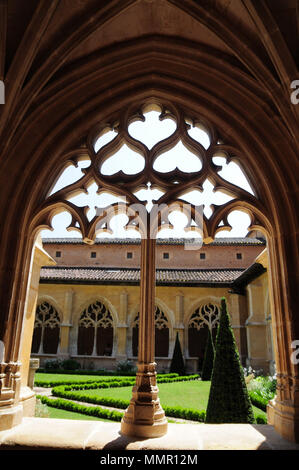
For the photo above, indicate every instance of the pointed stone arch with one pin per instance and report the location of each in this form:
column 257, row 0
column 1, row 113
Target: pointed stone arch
column 96, row 324
column 164, row 321
column 251, row 112
column 202, row 316
column 46, row 334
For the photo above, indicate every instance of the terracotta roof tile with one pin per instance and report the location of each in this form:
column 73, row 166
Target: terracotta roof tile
column 160, row 241
column 163, row 276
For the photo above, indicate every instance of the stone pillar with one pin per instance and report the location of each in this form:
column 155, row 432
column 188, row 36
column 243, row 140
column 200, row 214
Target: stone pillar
column 122, row 327
column 33, row 366
column 283, row 410
column 66, row 324
column 238, row 312
column 256, row 326
column 39, row 258
column 145, row 417
column 179, row 320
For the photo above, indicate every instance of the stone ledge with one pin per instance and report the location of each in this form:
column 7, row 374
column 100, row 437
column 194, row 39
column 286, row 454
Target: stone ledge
column 44, row 433
column 61, row 434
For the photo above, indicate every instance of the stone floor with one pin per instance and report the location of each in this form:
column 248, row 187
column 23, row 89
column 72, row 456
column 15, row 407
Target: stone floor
column 60, row 434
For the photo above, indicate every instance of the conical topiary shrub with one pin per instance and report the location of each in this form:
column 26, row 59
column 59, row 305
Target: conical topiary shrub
column 228, row 400
column 207, row 366
column 177, row 363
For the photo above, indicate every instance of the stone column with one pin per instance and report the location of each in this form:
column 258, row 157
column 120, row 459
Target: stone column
column 256, row 327
column 39, row 258
column 122, row 327
column 283, row 410
column 63, row 349
column 33, row 366
column 145, row 417
column 179, row 319
column 239, row 315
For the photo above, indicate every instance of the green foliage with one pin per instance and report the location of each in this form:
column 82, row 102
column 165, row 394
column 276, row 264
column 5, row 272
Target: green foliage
column 260, row 419
column 207, row 367
column 70, row 364
column 258, row 401
column 52, row 365
column 83, row 372
column 77, row 392
column 77, row 408
column 118, row 381
column 177, row 363
column 126, row 366
column 261, row 390
column 229, row 401
column 171, row 411
column 185, row 413
column 53, row 383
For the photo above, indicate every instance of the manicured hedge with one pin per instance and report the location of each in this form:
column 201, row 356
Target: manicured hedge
column 54, row 383
column 112, row 382
column 78, row 408
column 175, row 411
column 76, row 395
column 95, row 372
column 84, row 372
column 119, row 383
column 229, row 400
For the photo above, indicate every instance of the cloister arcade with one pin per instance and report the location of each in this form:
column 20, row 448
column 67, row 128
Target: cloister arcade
column 72, row 74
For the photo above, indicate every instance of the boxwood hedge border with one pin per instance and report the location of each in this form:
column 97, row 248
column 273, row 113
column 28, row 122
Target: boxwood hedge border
column 71, row 391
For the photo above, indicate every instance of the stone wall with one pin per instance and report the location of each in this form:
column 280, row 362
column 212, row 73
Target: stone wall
column 115, row 255
column 177, row 303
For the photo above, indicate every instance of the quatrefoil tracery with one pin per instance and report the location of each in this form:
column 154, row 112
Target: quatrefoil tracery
column 109, row 140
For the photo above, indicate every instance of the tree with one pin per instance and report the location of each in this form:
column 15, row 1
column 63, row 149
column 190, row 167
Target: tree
column 229, row 401
column 177, row 363
column 207, row 366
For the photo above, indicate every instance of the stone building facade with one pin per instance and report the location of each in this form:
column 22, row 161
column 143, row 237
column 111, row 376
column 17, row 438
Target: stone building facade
column 88, row 304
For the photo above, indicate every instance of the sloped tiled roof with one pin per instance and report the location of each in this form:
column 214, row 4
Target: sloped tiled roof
column 117, row 275
column 160, row 241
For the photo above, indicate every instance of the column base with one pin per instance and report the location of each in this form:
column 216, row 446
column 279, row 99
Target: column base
column 285, row 419
column 157, row 429
column 144, row 417
column 28, row 401
column 10, row 417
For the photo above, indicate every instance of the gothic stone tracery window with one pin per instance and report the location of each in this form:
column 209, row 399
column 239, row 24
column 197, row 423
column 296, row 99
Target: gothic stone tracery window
column 95, row 331
column 155, row 154
column 46, row 329
column 161, row 334
column 205, row 318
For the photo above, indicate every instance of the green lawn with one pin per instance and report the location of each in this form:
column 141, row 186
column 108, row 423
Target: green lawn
column 48, row 377
column 63, row 414
column 193, row 394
